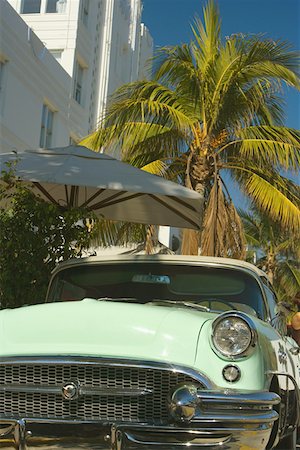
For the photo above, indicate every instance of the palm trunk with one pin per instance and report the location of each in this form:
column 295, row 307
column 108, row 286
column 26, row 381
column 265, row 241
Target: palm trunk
column 270, row 266
column 149, row 243
column 198, row 173
column 190, row 242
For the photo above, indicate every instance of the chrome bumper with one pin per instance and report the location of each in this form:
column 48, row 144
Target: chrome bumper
column 131, row 437
column 225, row 420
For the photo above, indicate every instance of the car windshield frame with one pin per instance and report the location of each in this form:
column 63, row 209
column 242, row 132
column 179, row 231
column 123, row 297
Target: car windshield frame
column 153, row 282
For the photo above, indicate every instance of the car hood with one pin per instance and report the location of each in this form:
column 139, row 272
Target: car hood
column 103, row 328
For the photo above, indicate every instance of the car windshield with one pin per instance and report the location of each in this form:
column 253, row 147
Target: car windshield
column 214, row 288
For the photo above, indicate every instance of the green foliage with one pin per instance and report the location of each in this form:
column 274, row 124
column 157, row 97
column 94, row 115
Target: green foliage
column 277, row 252
column 34, row 236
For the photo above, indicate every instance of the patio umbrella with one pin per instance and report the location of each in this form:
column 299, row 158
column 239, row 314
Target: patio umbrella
column 76, row 176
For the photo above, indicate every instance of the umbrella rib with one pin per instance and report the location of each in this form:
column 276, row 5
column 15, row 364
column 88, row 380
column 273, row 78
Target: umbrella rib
column 46, row 193
column 67, row 194
column 181, row 202
column 174, row 210
column 73, row 195
column 92, row 198
column 109, row 201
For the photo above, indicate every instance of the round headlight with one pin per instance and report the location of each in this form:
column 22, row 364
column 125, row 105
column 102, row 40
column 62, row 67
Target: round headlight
column 233, row 335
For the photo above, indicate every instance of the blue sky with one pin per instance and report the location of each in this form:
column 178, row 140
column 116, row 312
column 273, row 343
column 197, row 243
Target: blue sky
column 169, row 22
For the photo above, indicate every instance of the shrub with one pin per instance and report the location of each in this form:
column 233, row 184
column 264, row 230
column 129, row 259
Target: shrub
column 34, row 237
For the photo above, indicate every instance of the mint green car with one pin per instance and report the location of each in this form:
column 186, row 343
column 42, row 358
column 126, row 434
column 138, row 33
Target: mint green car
column 149, row 352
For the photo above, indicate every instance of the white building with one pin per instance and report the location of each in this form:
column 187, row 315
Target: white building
column 60, row 60
column 36, row 108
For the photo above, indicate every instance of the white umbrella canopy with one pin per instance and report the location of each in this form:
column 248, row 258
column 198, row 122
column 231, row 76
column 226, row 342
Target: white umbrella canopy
column 76, row 176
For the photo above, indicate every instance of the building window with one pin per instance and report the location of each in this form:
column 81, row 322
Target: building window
column 56, row 6
column 30, row 6
column 57, row 54
column 51, row 6
column 78, row 82
column 46, row 127
column 42, row 6
column 85, row 11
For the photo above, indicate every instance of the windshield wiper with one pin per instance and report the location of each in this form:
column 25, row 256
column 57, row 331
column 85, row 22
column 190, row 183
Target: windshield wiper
column 182, row 303
column 116, row 299
column 161, row 302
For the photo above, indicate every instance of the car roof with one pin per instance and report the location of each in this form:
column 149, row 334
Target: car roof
column 172, row 259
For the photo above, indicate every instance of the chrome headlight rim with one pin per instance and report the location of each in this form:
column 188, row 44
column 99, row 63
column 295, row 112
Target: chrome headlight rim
column 253, row 335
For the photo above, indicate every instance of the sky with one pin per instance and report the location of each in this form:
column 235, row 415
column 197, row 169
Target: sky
column 169, row 23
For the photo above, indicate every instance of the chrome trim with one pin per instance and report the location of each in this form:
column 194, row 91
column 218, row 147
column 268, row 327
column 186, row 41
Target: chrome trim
column 197, row 439
column 6, row 429
column 260, row 400
column 295, row 350
column 189, row 405
column 160, row 259
column 183, row 402
column 114, row 392
column 70, row 390
column 137, row 436
column 30, row 388
column 250, row 407
column 297, row 391
column 282, row 354
column 20, row 434
column 82, row 390
column 252, row 328
column 238, row 373
column 268, row 416
column 205, row 436
column 228, row 406
column 126, row 401
column 241, row 418
column 111, row 362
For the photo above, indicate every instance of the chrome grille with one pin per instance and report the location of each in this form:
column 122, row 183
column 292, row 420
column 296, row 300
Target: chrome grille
column 16, row 402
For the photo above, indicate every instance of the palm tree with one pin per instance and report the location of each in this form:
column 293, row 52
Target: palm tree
column 213, row 107
column 278, row 252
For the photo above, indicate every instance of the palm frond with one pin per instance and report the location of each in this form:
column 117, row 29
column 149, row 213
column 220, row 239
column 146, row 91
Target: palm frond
column 207, row 34
column 289, row 279
column 107, row 233
column 279, row 146
column 157, row 167
column 104, row 233
column 253, row 69
column 265, row 58
column 289, row 246
column 151, row 139
column 174, row 66
column 272, row 198
column 274, row 194
column 103, row 137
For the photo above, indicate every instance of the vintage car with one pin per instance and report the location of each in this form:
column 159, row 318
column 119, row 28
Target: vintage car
column 149, row 352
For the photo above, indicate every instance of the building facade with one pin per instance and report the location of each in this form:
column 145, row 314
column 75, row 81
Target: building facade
column 60, row 61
